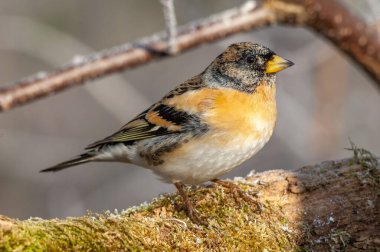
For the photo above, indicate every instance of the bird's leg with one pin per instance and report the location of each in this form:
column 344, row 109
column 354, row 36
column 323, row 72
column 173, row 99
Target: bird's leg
column 189, row 206
column 237, row 192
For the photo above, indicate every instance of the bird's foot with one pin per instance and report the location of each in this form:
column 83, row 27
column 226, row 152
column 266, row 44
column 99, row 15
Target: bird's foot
column 239, row 194
column 190, row 210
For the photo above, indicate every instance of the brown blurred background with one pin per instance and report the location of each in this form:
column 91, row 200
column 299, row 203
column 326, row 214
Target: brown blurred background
column 323, row 100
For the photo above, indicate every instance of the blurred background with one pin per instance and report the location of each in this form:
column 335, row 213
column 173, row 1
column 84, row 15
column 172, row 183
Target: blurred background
column 323, row 100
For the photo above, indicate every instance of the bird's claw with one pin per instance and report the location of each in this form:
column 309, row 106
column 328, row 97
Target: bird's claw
column 239, row 194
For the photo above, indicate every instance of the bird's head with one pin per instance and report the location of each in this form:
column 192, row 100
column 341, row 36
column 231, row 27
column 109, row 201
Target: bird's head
column 244, row 66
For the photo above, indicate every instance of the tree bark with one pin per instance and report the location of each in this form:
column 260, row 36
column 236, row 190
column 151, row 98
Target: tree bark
column 329, row 18
column 332, row 206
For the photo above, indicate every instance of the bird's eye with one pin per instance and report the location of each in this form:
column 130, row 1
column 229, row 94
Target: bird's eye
column 250, row 59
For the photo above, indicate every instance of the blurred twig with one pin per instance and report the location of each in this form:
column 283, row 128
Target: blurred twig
column 104, row 93
column 327, row 17
column 171, row 24
column 375, row 7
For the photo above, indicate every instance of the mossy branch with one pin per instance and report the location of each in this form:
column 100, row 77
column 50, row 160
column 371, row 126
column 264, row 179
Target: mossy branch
column 329, row 206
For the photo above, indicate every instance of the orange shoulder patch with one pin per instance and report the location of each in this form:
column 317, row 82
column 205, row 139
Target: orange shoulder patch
column 155, row 119
column 195, row 101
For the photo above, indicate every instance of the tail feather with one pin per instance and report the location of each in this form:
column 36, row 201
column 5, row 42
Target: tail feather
column 81, row 159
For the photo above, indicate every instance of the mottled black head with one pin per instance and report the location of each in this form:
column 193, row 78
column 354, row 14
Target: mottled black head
column 244, row 66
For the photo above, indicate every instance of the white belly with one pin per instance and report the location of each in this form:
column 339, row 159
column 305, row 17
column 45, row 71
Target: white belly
column 198, row 161
column 205, row 160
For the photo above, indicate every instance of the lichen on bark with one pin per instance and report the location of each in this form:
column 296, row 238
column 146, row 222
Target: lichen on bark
column 325, row 207
column 160, row 225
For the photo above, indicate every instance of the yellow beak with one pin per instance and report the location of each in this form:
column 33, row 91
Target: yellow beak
column 276, row 64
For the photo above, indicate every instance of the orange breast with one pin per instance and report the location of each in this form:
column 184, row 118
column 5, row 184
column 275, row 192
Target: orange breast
column 231, row 111
column 244, row 114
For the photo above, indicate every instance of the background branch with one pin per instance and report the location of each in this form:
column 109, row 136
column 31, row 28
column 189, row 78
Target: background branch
column 332, row 206
column 327, row 17
column 171, row 24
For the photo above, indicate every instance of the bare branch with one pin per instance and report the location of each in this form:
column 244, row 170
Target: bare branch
column 327, row 17
column 375, row 7
column 171, row 24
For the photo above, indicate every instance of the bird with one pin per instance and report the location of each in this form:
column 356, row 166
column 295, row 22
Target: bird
column 204, row 127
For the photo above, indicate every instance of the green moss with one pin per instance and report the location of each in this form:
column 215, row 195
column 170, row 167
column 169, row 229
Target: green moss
column 160, row 226
column 364, row 157
column 369, row 162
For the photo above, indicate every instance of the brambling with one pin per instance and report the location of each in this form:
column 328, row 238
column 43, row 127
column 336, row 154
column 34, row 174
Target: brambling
column 203, row 128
